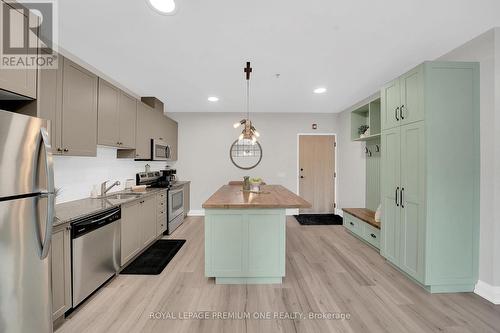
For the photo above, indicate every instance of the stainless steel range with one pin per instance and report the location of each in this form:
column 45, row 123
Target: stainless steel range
column 175, row 202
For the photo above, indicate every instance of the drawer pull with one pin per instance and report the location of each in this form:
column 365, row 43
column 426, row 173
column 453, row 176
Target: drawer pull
column 351, row 223
column 373, row 235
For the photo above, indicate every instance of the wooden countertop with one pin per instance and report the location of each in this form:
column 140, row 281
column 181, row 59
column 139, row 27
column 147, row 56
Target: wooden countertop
column 274, row 196
column 363, row 214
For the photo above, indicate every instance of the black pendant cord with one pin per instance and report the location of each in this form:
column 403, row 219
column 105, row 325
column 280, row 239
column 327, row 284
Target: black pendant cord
column 247, row 71
column 248, row 100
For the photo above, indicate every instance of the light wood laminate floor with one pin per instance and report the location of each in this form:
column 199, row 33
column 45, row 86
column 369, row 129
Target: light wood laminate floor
column 327, row 270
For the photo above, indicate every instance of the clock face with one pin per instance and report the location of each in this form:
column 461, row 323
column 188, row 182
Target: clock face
column 245, row 154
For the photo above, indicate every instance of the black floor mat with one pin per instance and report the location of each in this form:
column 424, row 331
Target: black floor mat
column 156, row 258
column 319, row 219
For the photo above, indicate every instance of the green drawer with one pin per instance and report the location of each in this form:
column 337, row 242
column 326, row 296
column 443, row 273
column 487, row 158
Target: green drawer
column 371, row 235
column 353, row 224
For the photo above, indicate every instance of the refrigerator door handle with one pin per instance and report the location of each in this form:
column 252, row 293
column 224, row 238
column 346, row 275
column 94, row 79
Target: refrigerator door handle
column 49, row 167
column 45, row 244
column 50, row 195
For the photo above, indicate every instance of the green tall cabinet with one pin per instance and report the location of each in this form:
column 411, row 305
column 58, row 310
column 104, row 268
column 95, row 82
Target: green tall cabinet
column 430, row 174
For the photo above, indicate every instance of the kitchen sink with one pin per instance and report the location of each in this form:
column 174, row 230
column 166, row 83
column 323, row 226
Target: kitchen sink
column 122, row 196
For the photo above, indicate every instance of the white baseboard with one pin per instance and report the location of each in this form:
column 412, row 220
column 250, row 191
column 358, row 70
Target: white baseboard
column 487, row 291
column 194, row 212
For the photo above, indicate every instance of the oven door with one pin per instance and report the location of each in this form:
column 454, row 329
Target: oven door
column 175, row 203
column 160, row 151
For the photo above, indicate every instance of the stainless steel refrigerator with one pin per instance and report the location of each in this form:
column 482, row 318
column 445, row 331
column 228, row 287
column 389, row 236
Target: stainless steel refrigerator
column 26, row 215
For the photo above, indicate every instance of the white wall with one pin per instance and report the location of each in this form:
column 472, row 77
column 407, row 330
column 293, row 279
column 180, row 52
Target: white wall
column 351, row 164
column 74, row 176
column 485, row 49
column 205, row 139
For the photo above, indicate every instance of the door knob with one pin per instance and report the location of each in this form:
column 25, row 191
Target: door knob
column 301, row 176
column 301, row 169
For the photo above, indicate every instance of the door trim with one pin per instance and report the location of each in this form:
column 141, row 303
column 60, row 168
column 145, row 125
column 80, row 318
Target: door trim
column 337, row 210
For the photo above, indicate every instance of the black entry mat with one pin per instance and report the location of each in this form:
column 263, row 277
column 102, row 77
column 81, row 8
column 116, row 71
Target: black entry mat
column 319, row 219
column 156, row 258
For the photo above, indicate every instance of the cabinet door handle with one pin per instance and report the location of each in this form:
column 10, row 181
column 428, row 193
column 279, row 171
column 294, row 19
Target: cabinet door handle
column 402, row 197
column 59, row 149
column 396, row 113
column 396, row 196
column 65, row 150
column 373, row 235
column 401, row 112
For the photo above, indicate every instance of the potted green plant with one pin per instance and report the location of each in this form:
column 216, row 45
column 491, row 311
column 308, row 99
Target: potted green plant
column 363, row 131
column 255, row 184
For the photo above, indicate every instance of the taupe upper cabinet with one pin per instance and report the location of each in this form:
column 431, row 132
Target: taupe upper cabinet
column 127, row 120
column 50, row 103
column 116, row 117
column 170, row 136
column 147, row 121
column 18, row 81
column 79, row 110
column 108, row 114
column 68, row 98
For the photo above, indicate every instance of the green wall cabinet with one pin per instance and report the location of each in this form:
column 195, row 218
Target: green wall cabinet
column 430, row 175
column 402, row 99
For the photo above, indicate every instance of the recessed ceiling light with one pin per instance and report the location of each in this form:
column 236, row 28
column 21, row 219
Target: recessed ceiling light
column 213, row 99
column 165, row 7
column 320, row 90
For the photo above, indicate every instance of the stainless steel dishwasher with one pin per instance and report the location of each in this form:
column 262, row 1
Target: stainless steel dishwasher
column 95, row 242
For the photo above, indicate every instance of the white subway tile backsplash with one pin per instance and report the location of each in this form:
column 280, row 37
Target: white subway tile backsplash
column 74, row 176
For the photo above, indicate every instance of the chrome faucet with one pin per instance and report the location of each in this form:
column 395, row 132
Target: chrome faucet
column 105, row 189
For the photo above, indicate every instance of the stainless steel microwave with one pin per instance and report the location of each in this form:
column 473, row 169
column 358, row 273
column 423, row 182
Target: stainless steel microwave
column 160, row 150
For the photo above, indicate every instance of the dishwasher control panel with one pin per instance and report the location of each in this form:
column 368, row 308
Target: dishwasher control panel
column 95, row 221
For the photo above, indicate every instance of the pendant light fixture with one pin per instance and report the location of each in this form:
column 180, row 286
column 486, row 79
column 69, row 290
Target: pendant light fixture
column 249, row 132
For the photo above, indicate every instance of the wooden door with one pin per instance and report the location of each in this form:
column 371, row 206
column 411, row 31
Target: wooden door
column 390, row 98
column 127, row 122
column 19, row 81
column 390, row 159
column 130, row 231
column 148, row 220
column 412, row 108
column 317, row 172
column 412, row 200
column 108, row 115
column 79, row 111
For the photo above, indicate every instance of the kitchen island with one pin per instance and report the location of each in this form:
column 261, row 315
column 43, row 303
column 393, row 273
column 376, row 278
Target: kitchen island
column 245, row 234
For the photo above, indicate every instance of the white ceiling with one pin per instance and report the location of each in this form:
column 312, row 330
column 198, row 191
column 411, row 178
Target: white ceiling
column 351, row 47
